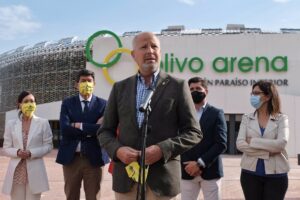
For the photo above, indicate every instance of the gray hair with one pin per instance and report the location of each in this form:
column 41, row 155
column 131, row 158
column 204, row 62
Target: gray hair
column 142, row 33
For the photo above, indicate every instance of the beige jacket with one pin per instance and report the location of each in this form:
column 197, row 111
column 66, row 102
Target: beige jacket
column 270, row 147
column 39, row 143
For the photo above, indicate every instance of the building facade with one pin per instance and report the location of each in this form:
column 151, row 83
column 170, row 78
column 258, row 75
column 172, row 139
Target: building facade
column 231, row 60
column 48, row 70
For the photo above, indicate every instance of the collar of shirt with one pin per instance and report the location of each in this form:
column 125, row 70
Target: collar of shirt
column 82, row 99
column 154, row 78
column 200, row 111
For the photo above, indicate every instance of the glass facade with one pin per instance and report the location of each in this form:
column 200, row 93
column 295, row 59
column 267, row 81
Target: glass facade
column 49, row 72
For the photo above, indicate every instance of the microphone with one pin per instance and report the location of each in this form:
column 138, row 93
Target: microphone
column 143, row 107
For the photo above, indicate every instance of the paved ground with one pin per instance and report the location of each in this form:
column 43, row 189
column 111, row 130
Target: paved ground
column 231, row 188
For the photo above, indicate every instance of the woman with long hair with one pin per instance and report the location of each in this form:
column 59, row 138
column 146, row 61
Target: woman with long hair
column 262, row 138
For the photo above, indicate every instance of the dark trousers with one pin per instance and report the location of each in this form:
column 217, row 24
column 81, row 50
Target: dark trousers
column 76, row 172
column 263, row 188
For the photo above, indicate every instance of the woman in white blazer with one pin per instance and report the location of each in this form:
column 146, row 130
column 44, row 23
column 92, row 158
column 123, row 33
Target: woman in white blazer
column 262, row 138
column 26, row 140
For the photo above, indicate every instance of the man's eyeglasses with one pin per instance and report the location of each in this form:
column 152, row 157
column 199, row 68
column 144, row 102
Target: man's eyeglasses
column 256, row 93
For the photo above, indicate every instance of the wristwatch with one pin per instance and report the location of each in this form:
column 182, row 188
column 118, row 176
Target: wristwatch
column 200, row 163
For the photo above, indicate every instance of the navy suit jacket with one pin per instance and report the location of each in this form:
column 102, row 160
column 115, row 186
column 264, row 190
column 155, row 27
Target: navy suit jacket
column 71, row 111
column 214, row 142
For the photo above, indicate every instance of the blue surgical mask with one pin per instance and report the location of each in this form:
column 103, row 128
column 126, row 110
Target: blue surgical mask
column 255, row 101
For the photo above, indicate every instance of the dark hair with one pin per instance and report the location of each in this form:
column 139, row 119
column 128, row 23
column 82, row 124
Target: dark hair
column 197, row 79
column 85, row 72
column 269, row 89
column 21, row 96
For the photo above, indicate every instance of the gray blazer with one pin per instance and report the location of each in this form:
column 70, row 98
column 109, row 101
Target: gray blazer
column 174, row 128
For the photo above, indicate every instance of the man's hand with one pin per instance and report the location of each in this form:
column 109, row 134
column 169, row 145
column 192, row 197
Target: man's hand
column 153, row 154
column 76, row 125
column 192, row 168
column 127, row 154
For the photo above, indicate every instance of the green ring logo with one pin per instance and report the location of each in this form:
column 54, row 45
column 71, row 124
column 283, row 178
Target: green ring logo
column 106, row 62
column 89, row 44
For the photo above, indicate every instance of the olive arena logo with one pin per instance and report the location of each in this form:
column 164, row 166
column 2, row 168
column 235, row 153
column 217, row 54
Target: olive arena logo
column 220, row 65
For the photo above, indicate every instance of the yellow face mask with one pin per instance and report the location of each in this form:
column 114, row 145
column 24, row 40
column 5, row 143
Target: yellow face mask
column 133, row 171
column 86, row 88
column 28, row 109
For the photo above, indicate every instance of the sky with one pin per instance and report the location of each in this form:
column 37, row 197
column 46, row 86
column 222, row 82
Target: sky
column 27, row 22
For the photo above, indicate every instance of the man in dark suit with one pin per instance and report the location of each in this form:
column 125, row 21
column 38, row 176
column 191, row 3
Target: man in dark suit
column 174, row 128
column 202, row 165
column 79, row 151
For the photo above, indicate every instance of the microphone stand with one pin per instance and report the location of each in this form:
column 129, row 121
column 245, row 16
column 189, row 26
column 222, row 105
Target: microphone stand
column 141, row 188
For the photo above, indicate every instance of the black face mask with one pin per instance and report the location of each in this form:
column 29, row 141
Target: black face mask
column 198, row 96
